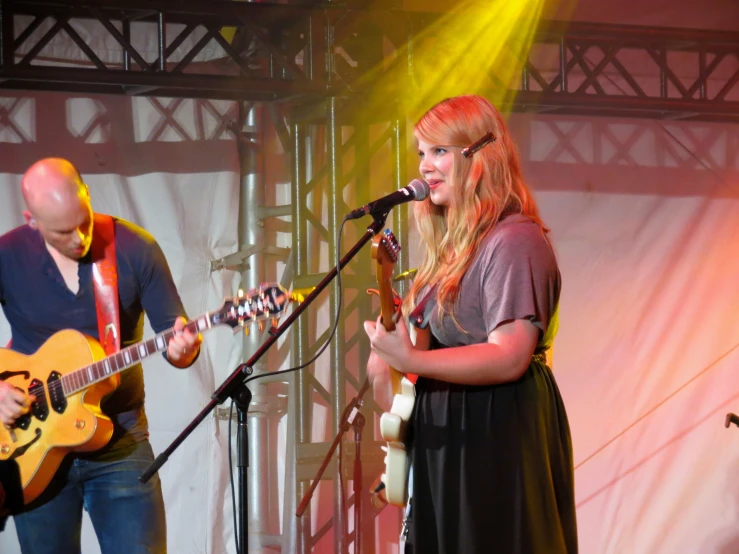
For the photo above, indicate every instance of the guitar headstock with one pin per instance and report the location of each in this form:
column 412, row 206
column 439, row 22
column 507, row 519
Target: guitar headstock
column 269, row 301
column 385, row 250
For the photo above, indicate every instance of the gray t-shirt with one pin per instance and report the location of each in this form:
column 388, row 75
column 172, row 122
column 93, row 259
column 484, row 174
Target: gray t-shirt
column 514, row 275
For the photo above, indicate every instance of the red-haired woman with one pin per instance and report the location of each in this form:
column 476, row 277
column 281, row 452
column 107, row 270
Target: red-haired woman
column 490, row 443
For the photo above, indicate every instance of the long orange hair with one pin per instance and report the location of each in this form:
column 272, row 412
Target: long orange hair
column 484, row 187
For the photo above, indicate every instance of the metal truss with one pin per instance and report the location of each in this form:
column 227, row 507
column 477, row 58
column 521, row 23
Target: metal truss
column 283, row 52
column 257, row 64
column 630, row 71
column 342, row 156
column 637, row 144
column 187, row 134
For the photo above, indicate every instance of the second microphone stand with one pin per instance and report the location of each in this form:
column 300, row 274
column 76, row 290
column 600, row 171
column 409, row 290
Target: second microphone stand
column 351, row 418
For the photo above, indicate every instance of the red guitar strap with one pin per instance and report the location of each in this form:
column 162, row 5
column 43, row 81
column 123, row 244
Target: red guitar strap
column 105, row 279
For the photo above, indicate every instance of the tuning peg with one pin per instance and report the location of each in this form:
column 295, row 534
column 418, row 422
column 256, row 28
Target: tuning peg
column 274, row 322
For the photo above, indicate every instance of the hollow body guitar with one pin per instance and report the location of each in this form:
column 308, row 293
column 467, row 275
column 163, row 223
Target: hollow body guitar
column 393, row 424
column 69, row 376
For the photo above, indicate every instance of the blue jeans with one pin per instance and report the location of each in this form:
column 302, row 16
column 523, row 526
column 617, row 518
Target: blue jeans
column 128, row 516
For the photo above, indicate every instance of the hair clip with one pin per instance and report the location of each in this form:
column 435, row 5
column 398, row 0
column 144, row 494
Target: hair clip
column 474, row 147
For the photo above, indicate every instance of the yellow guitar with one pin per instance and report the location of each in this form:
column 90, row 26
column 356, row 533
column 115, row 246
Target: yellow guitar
column 69, row 376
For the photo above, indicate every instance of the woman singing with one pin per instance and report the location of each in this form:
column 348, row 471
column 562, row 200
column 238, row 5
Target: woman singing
column 490, row 446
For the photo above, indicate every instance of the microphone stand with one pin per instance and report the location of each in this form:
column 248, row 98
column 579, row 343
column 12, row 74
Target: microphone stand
column 235, row 388
column 358, row 425
column 351, row 418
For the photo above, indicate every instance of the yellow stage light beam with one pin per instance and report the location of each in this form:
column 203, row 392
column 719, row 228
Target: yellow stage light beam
column 475, row 48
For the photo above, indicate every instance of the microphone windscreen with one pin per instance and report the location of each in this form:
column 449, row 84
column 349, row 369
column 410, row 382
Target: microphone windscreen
column 420, row 189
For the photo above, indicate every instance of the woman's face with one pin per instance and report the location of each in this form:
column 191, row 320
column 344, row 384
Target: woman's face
column 436, row 169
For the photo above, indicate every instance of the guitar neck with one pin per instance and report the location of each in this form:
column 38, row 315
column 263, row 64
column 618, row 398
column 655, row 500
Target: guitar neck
column 131, row 355
column 388, row 313
column 385, row 252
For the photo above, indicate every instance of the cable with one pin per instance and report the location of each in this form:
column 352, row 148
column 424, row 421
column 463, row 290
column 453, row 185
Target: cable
column 336, row 317
column 335, row 326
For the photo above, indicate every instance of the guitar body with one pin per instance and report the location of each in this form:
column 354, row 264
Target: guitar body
column 39, row 440
column 393, row 428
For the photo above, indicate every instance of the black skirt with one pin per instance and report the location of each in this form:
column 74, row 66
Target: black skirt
column 492, row 468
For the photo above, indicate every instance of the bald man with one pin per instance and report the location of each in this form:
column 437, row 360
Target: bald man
column 46, row 286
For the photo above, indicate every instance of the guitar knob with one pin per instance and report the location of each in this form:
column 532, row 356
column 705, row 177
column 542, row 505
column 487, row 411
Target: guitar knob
column 4, row 449
column 79, row 424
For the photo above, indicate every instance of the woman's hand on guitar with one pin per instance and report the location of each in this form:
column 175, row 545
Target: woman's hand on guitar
column 394, row 347
column 13, row 403
column 377, row 369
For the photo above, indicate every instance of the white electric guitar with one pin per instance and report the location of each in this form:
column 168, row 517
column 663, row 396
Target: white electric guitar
column 393, row 424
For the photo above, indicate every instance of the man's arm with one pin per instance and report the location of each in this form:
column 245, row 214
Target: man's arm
column 159, row 296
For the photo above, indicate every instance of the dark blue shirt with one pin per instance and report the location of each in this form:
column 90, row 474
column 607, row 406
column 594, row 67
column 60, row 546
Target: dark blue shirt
column 37, row 303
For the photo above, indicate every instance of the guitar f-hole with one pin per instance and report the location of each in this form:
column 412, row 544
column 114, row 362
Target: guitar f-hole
column 22, row 449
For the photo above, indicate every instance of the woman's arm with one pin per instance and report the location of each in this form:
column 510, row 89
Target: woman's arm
column 502, row 359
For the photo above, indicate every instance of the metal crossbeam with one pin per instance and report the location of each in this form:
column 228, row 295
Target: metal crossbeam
column 283, row 52
column 633, row 71
column 276, row 52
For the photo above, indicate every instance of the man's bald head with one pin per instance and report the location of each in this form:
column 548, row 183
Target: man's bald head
column 51, row 186
column 58, row 205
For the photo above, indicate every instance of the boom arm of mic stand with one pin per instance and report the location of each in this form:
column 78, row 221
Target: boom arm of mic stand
column 230, row 387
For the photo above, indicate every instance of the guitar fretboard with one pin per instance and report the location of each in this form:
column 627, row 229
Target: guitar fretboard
column 131, row 355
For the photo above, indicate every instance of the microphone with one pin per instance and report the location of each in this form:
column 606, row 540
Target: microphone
column 416, row 190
